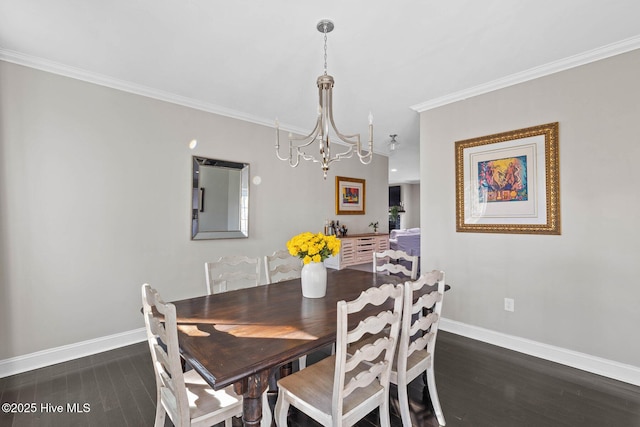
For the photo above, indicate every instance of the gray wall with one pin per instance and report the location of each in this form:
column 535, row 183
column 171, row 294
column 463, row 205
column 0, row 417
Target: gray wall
column 579, row 290
column 95, row 199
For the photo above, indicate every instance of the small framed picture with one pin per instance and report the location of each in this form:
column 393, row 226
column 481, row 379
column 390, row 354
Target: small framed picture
column 350, row 196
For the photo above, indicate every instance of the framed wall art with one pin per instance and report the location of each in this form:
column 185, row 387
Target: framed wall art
column 509, row 182
column 350, row 196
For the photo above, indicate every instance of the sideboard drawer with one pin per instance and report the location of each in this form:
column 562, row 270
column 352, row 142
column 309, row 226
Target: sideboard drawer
column 347, row 251
column 358, row 249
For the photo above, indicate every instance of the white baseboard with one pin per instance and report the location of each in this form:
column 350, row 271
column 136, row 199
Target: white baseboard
column 36, row 360
column 597, row 365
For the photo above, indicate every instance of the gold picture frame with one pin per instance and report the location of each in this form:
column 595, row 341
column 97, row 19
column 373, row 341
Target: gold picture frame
column 509, row 182
column 350, row 196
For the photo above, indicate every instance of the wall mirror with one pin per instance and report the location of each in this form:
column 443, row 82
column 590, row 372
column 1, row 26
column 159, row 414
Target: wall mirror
column 220, row 199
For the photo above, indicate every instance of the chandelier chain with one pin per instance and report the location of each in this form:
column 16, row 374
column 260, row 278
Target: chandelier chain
column 325, row 49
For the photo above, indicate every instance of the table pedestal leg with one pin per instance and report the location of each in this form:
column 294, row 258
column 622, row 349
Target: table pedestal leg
column 251, row 389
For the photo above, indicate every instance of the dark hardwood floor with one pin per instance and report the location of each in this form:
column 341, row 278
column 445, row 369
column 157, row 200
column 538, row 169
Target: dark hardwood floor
column 479, row 385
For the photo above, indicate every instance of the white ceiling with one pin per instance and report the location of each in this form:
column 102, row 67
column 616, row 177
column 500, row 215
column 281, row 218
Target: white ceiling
column 258, row 60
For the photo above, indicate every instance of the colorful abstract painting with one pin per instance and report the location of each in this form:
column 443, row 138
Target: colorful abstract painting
column 351, row 195
column 503, row 180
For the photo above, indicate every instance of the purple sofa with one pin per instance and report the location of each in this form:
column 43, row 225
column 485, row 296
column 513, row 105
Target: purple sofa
column 407, row 240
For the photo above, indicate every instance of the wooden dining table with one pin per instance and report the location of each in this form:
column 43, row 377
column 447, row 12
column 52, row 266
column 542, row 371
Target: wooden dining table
column 243, row 337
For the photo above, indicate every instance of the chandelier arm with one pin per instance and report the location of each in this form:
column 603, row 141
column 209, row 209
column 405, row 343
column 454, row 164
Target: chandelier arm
column 277, row 146
column 346, row 138
column 342, row 137
column 291, row 162
column 365, row 157
column 308, row 140
column 307, row 156
column 294, row 161
column 344, row 155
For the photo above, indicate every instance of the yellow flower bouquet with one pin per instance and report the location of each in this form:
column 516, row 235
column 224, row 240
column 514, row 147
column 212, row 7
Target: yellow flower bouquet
column 313, row 247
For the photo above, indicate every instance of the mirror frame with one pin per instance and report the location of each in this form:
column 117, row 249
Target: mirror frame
column 197, row 196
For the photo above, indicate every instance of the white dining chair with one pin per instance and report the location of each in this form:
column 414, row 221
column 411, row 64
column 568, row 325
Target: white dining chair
column 185, row 396
column 231, row 272
column 395, row 262
column 341, row 389
column 281, row 265
column 420, row 322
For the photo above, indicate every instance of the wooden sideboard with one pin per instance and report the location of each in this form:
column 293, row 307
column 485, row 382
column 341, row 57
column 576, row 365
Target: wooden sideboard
column 358, row 249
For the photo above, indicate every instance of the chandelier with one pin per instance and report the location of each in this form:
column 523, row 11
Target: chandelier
column 320, row 133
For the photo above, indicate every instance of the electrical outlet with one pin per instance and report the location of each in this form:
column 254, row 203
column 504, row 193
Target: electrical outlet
column 509, row 304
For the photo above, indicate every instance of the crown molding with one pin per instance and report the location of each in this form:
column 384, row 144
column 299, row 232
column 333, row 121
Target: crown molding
column 594, row 55
column 125, row 86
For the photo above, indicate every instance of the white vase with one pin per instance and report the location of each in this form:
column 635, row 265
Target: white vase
column 314, row 280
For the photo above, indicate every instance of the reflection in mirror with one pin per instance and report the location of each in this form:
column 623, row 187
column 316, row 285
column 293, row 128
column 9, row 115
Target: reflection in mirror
column 220, row 199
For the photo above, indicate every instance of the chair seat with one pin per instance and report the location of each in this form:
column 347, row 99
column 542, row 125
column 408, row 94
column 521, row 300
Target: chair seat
column 203, row 400
column 419, row 361
column 318, row 397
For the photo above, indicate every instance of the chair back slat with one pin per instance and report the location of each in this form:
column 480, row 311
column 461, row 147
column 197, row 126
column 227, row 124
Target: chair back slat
column 162, row 357
column 372, row 325
column 423, row 323
column 283, row 269
column 367, row 352
column 426, row 301
column 394, row 269
column 235, row 260
column 373, row 296
column 364, row 378
column 157, row 328
column 420, row 343
column 167, row 382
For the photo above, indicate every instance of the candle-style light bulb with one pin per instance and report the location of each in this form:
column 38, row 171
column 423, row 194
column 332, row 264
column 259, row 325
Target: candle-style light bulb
column 370, row 118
